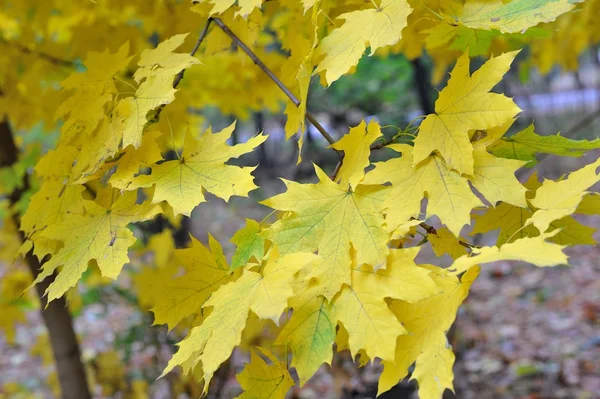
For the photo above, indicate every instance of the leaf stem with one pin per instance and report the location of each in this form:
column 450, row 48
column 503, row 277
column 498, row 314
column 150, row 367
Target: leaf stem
column 203, row 34
column 258, row 62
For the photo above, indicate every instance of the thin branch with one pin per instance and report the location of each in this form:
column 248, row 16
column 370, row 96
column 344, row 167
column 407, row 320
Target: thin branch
column 337, row 169
column 46, row 57
column 257, row 61
column 194, row 50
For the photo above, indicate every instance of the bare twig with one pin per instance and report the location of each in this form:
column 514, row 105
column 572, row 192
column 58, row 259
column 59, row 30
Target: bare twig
column 337, row 169
column 46, row 57
column 257, row 61
column 203, row 34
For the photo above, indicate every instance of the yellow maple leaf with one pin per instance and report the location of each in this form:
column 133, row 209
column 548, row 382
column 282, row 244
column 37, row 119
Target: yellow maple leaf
column 508, row 17
column 494, row 177
column 427, row 322
column 448, row 194
column 94, row 88
column 265, row 294
column 363, row 311
column 274, row 289
column 163, row 61
column 262, row 380
column 535, row 250
column 132, row 159
column 201, row 166
column 212, row 342
column 556, row 199
column 329, row 218
column 310, row 332
column 174, row 299
column 377, row 27
column 356, row 146
column 444, row 242
column 131, row 112
column 245, row 6
column 101, row 234
column 250, row 244
column 465, row 104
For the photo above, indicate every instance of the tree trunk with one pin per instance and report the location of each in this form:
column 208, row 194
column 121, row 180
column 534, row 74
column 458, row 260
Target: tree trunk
column 58, row 321
column 423, row 86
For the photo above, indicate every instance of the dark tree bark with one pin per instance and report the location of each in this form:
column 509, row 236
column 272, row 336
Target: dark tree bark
column 58, row 321
column 423, row 86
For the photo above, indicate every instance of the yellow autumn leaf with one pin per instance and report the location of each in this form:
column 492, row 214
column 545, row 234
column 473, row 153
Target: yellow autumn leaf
column 212, row 342
column 465, row 104
column 101, row 234
column 444, row 242
column 427, row 322
column 245, row 6
column 535, row 250
column 448, row 193
column 93, row 89
column 260, row 380
column 175, row 298
column 274, row 289
column 363, row 311
column 556, row 199
column 202, row 165
column 509, row 17
column 378, row 27
column 163, row 61
column 129, row 164
column 495, row 178
column 329, row 218
column 250, row 244
column 300, row 65
column 310, row 332
column 356, row 146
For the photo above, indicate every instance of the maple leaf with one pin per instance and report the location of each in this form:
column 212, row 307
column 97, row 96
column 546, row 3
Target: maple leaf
column 162, row 61
column 211, row 342
column 589, row 205
column 274, row 289
column 300, row 66
column 525, row 144
column 495, row 177
column 262, row 380
column 245, row 6
column 174, row 299
column 376, row 27
column 556, row 199
column 157, row 69
column 356, row 146
column 131, row 111
column 201, row 166
column 250, row 244
column 535, row 250
column 329, row 218
column 448, row 35
column 266, row 294
column 363, row 311
column 514, row 16
column 310, row 332
column 132, row 159
column 427, row 322
column 94, row 88
column 444, row 242
column 465, row 104
column 448, row 194
column 101, row 234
